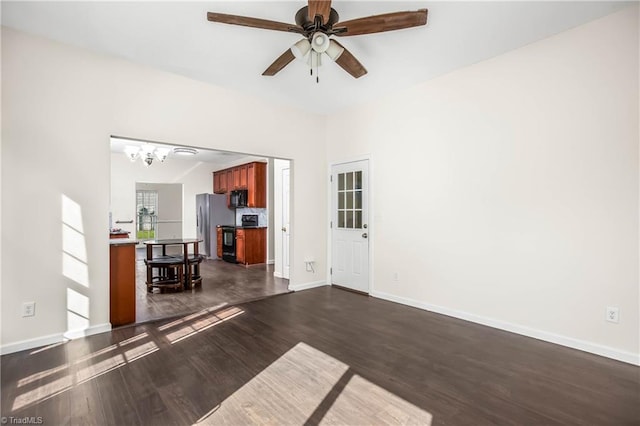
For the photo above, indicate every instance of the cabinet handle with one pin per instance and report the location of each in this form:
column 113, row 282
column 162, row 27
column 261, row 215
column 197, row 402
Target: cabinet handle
column 364, row 235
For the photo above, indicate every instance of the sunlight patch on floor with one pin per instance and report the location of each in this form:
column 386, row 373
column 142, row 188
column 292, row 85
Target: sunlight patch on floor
column 307, row 385
column 42, row 385
column 362, row 397
column 45, row 384
column 41, row 375
column 201, row 324
column 190, row 317
column 42, row 392
column 94, row 370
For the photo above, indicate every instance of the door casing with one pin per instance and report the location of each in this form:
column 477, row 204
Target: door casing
column 371, row 220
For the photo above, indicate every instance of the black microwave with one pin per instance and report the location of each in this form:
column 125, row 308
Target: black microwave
column 238, row 198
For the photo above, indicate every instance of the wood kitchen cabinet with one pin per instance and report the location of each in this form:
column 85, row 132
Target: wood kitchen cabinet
column 251, row 176
column 229, row 175
column 243, row 176
column 239, row 177
column 251, row 245
column 220, row 182
column 236, row 178
column 122, row 282
column 240, row 247
column 257, row 185
column 219, row 240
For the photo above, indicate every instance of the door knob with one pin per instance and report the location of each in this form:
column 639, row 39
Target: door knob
column 284, row 229
column 364, row 235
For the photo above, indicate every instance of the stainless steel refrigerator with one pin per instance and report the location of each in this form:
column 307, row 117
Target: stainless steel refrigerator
column 211, row 210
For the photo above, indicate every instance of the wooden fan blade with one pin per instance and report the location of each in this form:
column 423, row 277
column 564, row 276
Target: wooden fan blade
column 282, row 61
column 349, row 63
column 382, row 23
column 253, row 22
column 319, row 7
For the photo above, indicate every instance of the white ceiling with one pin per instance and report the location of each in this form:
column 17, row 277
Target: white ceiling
column 221, row 159
column 176, row 37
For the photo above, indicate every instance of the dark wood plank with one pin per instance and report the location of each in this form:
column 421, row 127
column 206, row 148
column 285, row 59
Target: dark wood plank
column 322, row 355
column 222, row 282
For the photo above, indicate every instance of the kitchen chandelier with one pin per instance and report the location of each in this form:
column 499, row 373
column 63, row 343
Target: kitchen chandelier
column 146, row 153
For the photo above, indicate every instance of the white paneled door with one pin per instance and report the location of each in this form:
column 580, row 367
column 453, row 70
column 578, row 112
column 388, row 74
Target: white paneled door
column 349, row 225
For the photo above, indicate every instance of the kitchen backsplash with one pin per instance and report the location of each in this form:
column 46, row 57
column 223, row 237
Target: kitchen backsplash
column 262, row 215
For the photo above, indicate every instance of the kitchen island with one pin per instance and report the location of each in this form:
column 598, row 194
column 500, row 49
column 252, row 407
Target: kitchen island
column 122, row 281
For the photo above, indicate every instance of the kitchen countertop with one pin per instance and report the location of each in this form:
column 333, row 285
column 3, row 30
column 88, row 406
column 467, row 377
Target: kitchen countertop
column 241, row 227
column 122, row 241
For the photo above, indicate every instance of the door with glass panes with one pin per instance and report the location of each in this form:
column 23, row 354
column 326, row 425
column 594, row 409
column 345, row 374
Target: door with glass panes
column 349, row 225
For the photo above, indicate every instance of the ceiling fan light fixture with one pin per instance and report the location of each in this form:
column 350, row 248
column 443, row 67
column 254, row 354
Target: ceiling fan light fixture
column 320, row 42
column 334, row 50
column 314, row 60
column 301, row 48
column 318, row 22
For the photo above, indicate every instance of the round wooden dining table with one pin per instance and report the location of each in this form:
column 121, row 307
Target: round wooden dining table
column 185, row 243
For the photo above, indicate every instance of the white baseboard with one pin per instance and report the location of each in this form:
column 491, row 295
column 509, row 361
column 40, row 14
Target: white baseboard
column 271, row 262
column 24, row 345
column 277, row 274
column 306, row 286
column 594, row 348
column 94, row 329
column 51, row 339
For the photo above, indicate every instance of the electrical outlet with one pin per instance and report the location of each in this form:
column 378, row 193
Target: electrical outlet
column 613, row 314
column 29, row 309
column 395, row 276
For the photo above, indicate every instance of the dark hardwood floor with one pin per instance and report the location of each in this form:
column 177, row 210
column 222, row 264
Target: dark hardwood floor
column 222, row 283
column 318, row 356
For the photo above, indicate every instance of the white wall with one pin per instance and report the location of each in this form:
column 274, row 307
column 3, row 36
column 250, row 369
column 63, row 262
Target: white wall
column 195, row 176
column 60, row 104
column 520, row 176
column 523, row 172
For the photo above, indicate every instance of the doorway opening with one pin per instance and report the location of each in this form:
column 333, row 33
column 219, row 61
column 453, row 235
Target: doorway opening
column 157, row 200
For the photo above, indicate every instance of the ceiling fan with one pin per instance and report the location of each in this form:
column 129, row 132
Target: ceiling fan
column 317, row 22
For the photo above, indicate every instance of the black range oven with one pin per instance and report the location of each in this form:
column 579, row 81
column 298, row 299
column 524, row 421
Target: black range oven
column 229, row 243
